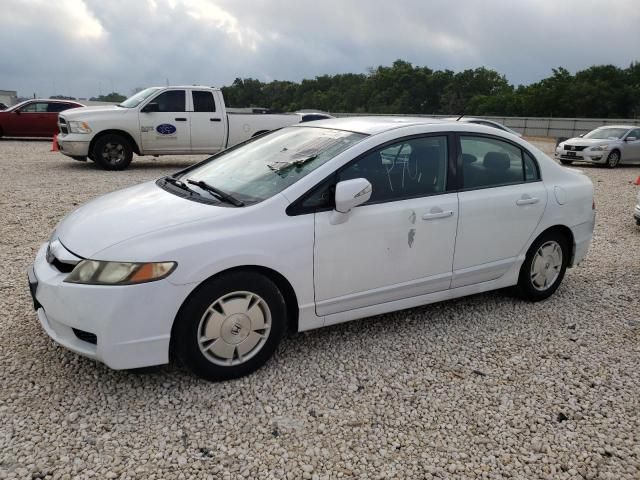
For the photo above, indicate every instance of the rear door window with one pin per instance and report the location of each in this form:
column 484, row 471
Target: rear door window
column 203, row 101
column 57, row 107
column 490, row 162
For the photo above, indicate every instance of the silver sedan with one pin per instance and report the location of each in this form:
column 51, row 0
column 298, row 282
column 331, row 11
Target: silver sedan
column 610, row 146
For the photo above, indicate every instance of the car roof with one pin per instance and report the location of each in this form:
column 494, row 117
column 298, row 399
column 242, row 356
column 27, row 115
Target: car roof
column 52, row 100
column 372, row 125
column 617, row 126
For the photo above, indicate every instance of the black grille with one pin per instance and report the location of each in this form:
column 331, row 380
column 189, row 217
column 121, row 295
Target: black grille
column 85, row 336
column 63, row 125
column 63, row 267
column 575, row 148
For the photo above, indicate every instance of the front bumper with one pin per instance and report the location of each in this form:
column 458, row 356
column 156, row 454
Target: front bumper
column 73, row 147
column 132, row 324
column 582, row 156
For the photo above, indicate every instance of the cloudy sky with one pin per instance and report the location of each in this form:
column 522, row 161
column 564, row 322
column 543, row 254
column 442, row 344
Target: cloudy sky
column 86, row 47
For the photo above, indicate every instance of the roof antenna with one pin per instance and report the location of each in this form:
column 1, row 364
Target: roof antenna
column 458, row 119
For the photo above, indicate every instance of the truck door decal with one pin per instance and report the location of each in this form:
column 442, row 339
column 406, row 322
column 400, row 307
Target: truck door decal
column 166, row 129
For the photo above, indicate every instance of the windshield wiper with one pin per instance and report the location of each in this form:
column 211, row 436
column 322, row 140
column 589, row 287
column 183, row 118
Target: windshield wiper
column 178, row 183
column 294, row 163
column 217, row 192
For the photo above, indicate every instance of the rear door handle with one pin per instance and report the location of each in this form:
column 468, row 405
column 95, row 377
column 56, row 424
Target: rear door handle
column 215, row 119
column 180, row 119
column 435, row 214
column 527, row 200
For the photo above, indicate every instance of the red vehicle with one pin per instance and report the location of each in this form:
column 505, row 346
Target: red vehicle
column 34, row 118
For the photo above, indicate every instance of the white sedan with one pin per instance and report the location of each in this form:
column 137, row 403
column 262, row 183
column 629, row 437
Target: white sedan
column 309, row 226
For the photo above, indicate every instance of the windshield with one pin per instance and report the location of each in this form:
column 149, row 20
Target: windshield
column 139, row 97
column 606, row 133
column 264, row 167
column 17, row 106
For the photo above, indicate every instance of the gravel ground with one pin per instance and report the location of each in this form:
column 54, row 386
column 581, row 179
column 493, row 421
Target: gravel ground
column 481, row 387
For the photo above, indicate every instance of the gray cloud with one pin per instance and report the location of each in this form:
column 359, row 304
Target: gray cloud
column 82, row 47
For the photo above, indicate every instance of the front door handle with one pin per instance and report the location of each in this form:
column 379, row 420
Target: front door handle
column 437, row 213
column 215, row 119
column 527, row 200
column 180, row 119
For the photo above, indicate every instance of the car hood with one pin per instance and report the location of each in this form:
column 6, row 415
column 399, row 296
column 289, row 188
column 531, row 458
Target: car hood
column 82, row 112
column 588, row 141
column 129, row 213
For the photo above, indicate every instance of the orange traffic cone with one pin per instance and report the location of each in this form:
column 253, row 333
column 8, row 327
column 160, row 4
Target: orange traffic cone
column 637, row 181
column 54, row 145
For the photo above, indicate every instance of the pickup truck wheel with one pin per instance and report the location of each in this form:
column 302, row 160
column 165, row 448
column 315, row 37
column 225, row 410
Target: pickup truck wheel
column 112, row 152
column 230, row 326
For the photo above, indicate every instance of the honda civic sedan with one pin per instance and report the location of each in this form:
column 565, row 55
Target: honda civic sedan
column 311, row 225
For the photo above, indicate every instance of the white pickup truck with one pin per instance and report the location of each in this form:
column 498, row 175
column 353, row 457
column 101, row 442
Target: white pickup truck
column 160, row 121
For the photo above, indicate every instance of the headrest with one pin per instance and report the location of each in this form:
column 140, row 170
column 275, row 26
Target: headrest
column 496, row 161
column 468, row 159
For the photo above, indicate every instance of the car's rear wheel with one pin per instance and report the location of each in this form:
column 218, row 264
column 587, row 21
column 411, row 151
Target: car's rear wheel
column 566, row 162
column 544, row 266
column 230, row 326
column 112, row 152
column 613, row 159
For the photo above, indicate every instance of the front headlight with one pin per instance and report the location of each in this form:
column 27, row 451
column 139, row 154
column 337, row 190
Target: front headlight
column 79, row 127
column 600, row 148
column 95, row 272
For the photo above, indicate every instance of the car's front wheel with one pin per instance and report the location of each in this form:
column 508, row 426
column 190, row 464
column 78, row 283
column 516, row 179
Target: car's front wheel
column 544, row 267
column 230, row 326
column 613, row 159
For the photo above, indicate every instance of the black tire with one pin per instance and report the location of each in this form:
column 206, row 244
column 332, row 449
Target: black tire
column 112, row 152
column 527, row 288
column 566, row 162
column 613, row 159
column 199, row 312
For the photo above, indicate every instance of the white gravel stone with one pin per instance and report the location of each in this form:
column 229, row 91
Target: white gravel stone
column 395, row 396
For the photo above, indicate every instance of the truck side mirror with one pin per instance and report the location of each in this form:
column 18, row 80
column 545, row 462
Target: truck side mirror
column 151, row 107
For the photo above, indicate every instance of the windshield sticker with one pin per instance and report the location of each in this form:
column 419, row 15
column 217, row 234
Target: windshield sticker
column 166, row 129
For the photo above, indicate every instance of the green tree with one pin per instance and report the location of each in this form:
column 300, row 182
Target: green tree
column 111, row 97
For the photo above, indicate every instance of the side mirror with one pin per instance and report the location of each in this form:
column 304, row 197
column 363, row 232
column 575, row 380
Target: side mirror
column 151, row 107
column 17, row 112
column 581, row 135
column 630, row 139
column 349, row 194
